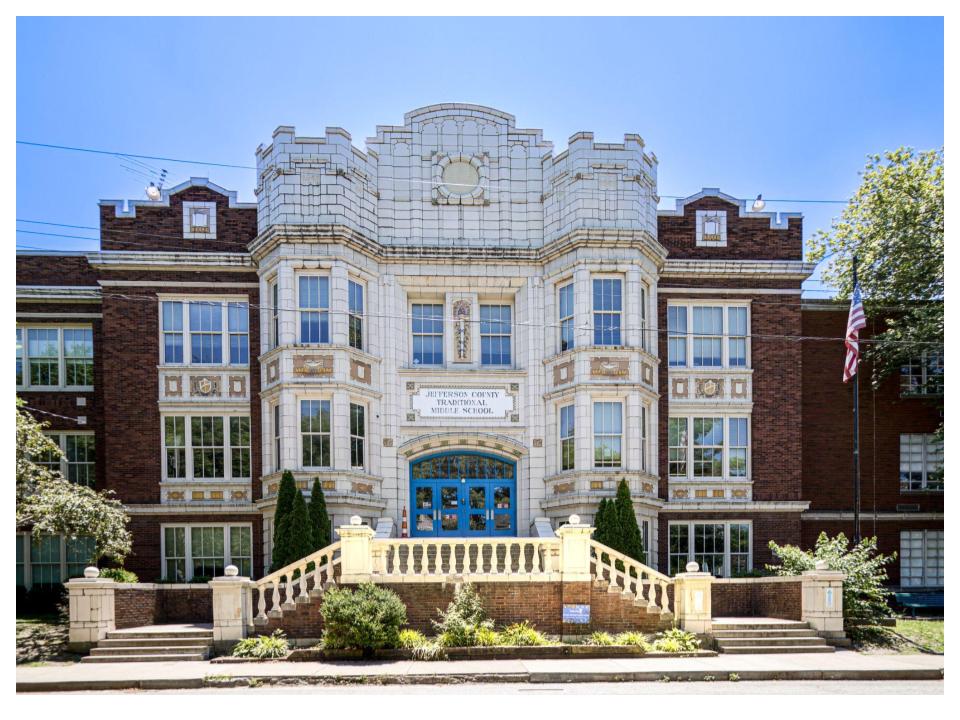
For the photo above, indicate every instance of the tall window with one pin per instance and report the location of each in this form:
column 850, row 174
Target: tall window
column 677, row 446
column 607, row 434
column 677, row 336
column 277, row 459
column 355, row 322
column 211, row 447
column 495, row 334
column 240, row 447
column 45, row 560
column 427, row 334
column 566, row 317
column 78, row 356
column 314, row 309
column 607, row 309
column 921, row 558
column 315, row 432
column 175, row 553
column 206, row 546
column 273, row 290
column 43, row 357
column 568, row 431
column 707, row 337
column 707, row 447
column 644, row 331
column 81, row 459
column 52, row 559
column 719, row 548
column 738, row 444
column 192, row 552
column 643, row 437
column 241, row 549
column 210, row 326
column 923, row 375
column 358, row 433
column 80, row 554
column 921, row 463
column 19, row 357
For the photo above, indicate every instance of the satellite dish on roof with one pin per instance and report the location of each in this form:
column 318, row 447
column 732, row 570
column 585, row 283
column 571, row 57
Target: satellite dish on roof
column 153, row 192
column 759, row 204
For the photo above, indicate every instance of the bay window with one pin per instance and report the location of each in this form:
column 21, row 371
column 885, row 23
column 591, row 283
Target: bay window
column 607, row 310
column 718, row 547
column 566, row 314
column 358, row 434
column 315, row 433
column 55, row 357
column 607, row 434
column 355, row 311
column 705, row 335
column 708, row 448
column 314, row 308
column 194, row 553
column 567, row 437
column 206, row 447
column 215, row 332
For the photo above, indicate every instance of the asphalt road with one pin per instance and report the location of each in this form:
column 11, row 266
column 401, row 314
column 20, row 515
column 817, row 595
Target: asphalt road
column 768, row 687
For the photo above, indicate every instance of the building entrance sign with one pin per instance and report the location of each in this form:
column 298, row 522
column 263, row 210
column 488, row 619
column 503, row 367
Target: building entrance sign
column 463, row 495
column 436, row 402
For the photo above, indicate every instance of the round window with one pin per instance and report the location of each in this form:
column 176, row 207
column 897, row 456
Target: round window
column 460, row 178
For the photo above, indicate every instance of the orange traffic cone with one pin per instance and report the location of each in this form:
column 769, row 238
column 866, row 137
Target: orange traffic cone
column 403, row 523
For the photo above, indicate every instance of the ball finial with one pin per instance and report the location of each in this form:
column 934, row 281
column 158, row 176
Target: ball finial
column 693, row 567
column 356, row 520
column 231, row 571
column 91, row 572
column 574, row 519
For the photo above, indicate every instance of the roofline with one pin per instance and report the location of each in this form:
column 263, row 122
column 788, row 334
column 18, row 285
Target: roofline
column 778, row 220
column 164, row 201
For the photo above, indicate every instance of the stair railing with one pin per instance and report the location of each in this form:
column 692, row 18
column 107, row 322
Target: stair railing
column 295, row 581
column 635, row 580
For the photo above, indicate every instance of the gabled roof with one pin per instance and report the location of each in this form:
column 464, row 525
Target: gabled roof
column 128, row 208
column 778, row 221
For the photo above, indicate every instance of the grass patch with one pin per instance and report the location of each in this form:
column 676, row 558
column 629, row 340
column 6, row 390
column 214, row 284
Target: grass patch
column 909, row 636
column 43, row 639
column 927, row 633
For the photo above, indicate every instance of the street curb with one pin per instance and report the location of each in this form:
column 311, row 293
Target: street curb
column 462, row 678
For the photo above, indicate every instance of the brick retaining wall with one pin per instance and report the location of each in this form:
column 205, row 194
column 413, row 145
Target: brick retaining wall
column 157, row 604
column 773, row 597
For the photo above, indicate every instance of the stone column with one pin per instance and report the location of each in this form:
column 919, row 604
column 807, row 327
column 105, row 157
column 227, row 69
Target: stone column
column 575, row 550
column 356, row 556
column 92, row 610
column 232, row 609
column 822, row 604
column 691, row 599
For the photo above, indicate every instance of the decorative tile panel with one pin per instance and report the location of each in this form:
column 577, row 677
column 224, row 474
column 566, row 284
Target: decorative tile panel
column 609, row 367
column 205, row 386
column 238, row 386
column 360, row 371
column 563, row 373
column 313, row 365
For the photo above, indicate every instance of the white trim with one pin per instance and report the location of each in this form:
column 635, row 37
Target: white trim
column 188, row 550
column 61, row 357
column 224, row 301
column 315, row 396
column 73, row 293
column 880, row 516
column 25, row 543
column 160, row 260
column 159, row 282
column 778, row 221
column 727, row 506
column 164, row 200
column 60, row 315
column 194, row 508
column 725, row 336
column 728, row 291
column 747, row 269
column 228, row 476
column 691, row 552
column 689, row 416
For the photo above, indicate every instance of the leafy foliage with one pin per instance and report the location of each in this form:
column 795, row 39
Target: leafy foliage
column 522, row 634
column 676, row 640
column 120, row 575
column 894, row 225
column 635, row 639
column 46, row 503
column 864, row 596
column 616, row 525
column 319, row 519
column 368, row 618
column 487, row 637
column 464, row 615
column 286, row 494
column 263, row 646
column 600, row 638
column 410, row 638
column 294, row 534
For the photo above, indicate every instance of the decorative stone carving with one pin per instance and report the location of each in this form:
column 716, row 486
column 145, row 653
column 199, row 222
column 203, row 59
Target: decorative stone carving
column 514, row 387
column 538, row 442
column 515, row 417
column 681, row 493
column 216, row 494
column 648, row 487
column 609, row 367
column 272, row 489
column 561, row 488
column 709, row 388
column 596, row 484
column 196, row 495
column 328, row 484
column 411, row 417
column 739, row 493
column 411, row 386
column 205, row 386
column 175, row 496
column 681, row 388
column 313, row 365
column 646, row 373
column 718, row 493
column 172, row 386
column 459, row 179
column 238, row 386
column 362, row 488
column 738, row 388
column 273, row 370
column 700, row 493
column 359, row 371
column 238, row 495
column 461, row 330
column 388, row 442
column 563, row 373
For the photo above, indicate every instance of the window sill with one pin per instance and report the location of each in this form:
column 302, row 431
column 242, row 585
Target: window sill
column 56, row 388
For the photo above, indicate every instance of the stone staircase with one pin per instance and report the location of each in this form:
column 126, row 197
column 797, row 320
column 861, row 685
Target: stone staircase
column 748, row 636
column 157, row 643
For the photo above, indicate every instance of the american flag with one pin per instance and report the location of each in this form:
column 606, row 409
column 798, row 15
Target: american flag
column 855, row 321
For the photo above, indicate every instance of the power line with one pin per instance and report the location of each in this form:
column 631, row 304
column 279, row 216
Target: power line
column 50, row 146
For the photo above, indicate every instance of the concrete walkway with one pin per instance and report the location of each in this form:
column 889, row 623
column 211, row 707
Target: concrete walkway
column 842, row 665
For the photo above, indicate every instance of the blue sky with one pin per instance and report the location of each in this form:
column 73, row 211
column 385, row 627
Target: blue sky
column 787, row 107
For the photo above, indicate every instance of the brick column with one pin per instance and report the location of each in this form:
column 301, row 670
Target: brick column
column 356, row 557
column 232, row 609
column 823, row 600
column 691, row 599
column 92, row 610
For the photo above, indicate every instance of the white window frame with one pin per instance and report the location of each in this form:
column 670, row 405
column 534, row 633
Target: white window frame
column 594, row 401
column 228, row 475
column 724, row 337
column 25, row 540
column 621, row 312
column 319, row 311
column 300, row 433
column 61, row 358
column 361, row 316
column 443, row 332
column 928, row 541
column 561, row 318
column 188, row 549
column 276, row 423
column 927, row 462
column 364, row 439
column 59, row 437
column 509, row 334
column 691, row 540
column 572, row 438
column 923, row 377
column 726, row 416
column 196, row 232
column 224, row 301
column 273, row 312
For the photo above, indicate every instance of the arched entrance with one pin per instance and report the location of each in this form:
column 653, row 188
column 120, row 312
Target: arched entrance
column 463, row 494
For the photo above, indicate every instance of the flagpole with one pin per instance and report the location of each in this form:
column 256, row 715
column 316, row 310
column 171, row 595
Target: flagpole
column 856, row 438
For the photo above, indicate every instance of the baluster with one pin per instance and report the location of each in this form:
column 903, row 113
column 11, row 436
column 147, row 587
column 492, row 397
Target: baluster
column 261, row 603
column 274, row 597
column 665, row 599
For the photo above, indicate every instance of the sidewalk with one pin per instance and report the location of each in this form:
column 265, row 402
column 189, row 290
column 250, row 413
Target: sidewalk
column 842, row 665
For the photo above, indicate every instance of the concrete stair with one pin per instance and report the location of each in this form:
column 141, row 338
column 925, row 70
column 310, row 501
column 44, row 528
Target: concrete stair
column 157, row 643
column 760, row 636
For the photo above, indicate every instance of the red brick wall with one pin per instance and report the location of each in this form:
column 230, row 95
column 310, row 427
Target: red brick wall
column 747, row 238
column 161, row 228
column 755, row 597
column 54, row 270
column 158, row 605
column 134, row 607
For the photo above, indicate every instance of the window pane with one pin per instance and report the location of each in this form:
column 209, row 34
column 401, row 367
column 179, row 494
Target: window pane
column 495, row 334
column 427, row 334
column 206, row 333
column 566, row 317
column 43, row 350
column 206, row 434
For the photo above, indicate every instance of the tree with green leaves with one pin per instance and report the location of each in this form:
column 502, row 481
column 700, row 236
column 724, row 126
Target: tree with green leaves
column 894, row 226
column 49, row 504
column 319, row 520
column 609, row 530
column 631, row 541
column 294, row 534
column 286, row 495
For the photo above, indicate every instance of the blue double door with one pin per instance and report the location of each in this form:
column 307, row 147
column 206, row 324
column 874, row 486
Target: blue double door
column 463, row 495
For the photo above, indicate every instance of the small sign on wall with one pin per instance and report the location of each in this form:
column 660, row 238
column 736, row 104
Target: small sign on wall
column 576, row 614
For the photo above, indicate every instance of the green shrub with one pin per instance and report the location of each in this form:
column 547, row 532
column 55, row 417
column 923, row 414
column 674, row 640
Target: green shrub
column 410, row 639
column 119, row 575
column 263, row 646
column 864, row 596
column 428, row 651
column 487, row 637
column 633, row 639
column 464, row 616
column 368, row 618
column 676, row 640
column 522, row 634
column 600, row 638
